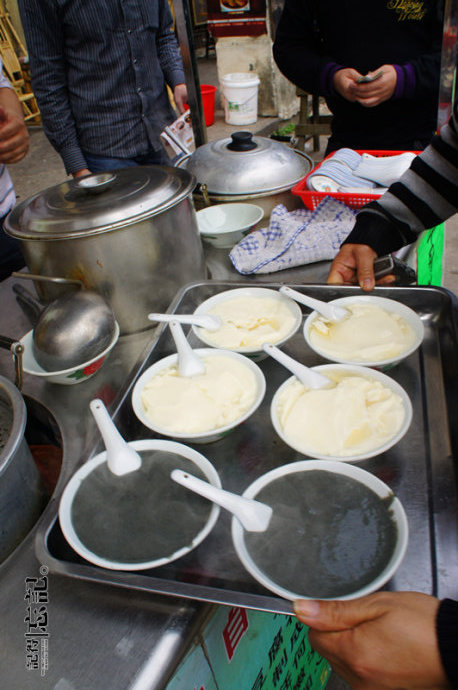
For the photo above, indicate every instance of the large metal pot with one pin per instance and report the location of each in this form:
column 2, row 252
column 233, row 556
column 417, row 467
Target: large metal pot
column 247, row 168
column 130, row 234
column 22, row 496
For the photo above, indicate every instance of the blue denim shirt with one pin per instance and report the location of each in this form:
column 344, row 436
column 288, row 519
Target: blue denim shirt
column 99, row 71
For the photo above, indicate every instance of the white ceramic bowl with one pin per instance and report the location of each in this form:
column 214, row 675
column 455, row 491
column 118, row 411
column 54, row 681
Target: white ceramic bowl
column 66, row 377
column 255, row 353
column 199, row 437
column 223, row 225
column 356, row 473
column 65, row 507
column 389, row 305
column 366, row 372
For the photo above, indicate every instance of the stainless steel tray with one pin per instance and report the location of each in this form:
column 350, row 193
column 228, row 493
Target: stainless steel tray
column 421, row 469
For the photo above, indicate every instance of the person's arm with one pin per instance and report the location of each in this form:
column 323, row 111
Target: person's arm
column 425, row 195
column 170, row 57
column 297, row 50
column 14, row 138
column 381, row 641
column 46, row 46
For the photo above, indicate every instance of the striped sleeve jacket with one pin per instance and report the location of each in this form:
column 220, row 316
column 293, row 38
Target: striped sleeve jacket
column 424, row 196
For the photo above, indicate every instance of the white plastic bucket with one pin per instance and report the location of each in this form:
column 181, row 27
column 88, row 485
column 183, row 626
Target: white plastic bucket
column 240, row 96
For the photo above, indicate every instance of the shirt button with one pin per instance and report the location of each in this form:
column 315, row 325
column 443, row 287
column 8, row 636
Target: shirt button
column 129, row 31
column 135, row 61
column 139, row 89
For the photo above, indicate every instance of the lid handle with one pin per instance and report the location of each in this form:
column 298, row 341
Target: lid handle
column 95, row 184
column 242, row 141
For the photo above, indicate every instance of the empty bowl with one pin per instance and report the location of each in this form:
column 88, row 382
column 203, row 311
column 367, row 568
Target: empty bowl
column 361, row 339
column 251, row 317
column 355, row 422
column 223, row 225
column 67, row 377
column 197, row 410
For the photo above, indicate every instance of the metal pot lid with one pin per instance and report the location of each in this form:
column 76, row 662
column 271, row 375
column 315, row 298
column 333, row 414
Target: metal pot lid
column 247, row 164
column 99, row 203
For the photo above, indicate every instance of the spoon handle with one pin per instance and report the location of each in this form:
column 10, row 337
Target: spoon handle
column 207, row 321
column 329, row 311
column 121, row 458
column 310, row 378
column 253, row 515
column 189, row 364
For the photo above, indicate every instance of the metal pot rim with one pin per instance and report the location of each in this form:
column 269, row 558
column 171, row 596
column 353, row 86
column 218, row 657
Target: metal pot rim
column 18, row 426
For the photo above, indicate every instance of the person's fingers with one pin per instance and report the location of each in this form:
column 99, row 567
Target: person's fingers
column 365, row 256
column 335, row 276
column 334, row 616
column 387, row 280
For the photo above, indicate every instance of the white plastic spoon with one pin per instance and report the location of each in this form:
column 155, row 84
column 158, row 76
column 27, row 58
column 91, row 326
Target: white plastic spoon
column 253, row 515
column 208, row 321
column 329, row 311
column 310, row 378
column 189, row 364
column 121, row 458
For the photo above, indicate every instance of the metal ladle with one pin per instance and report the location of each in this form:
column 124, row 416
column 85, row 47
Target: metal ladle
column 121, row 457
column 72, row 329
column 329, row 311
column 254, row 516
column 308, row 377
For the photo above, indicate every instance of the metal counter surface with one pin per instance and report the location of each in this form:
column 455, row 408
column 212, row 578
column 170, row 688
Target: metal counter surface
column 99, row 636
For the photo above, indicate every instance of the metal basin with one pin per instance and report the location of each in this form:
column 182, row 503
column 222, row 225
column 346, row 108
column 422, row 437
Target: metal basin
column 24, row 492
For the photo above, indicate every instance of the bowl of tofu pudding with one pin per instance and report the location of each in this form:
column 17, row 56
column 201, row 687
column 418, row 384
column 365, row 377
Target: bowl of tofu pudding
column 360, row 414
column 249, row 318
column 204, row 407
column 376, row 332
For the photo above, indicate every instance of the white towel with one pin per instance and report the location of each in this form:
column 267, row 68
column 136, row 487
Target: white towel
column 384, row 170
column 294, row 238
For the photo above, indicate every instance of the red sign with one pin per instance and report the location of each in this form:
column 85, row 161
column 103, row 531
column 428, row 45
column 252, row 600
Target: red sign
column 236, row 627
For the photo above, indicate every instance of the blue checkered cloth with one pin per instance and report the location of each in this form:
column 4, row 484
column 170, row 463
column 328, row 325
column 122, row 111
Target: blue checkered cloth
column 294, row 238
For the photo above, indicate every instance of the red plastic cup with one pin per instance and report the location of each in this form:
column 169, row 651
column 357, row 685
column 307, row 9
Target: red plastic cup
column 208, row 103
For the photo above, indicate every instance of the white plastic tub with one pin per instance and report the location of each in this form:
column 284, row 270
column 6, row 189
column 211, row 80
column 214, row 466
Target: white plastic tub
column 240, row 96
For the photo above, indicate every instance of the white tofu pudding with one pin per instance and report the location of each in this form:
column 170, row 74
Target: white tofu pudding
column 377, row 331
column 250, row 317
column 362, row 414
column 202, row 407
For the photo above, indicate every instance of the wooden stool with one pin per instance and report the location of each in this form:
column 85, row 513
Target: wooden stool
column 313, row 125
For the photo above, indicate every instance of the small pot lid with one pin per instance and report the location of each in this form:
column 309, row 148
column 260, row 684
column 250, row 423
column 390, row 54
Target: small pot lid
column 246, row 164
column 99, row 203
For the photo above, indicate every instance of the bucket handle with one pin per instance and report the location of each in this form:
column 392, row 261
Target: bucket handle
column 17, row 349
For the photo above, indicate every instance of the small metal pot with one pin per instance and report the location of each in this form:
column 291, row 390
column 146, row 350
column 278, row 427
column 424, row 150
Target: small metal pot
column 131, row 235
column 22, row 495
column 247, row 168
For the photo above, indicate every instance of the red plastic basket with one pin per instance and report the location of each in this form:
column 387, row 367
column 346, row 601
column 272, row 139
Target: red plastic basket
column 311, row 199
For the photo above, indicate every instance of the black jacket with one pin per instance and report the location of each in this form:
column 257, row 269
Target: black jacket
column 313, row 37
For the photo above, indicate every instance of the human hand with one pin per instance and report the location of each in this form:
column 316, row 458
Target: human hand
column 381, row 641
column 14, row 137
column 373, row 93
column 344, row 82
column 355, row 264
column 180, row 95
column 81, row 173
